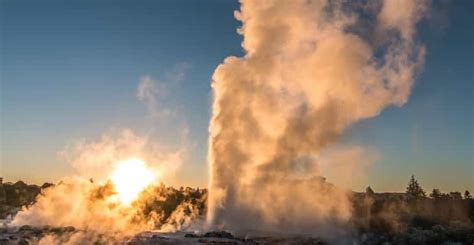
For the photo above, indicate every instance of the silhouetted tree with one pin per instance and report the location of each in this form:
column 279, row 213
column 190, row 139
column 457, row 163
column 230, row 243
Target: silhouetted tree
column 455, row 195
column 3, row 195
column 467, row 195
column 445, row 196
column 435, row 194
column 414, row 189
column 369, row 192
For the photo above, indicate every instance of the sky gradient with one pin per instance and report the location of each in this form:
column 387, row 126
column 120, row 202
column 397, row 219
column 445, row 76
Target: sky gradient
column 71, row 70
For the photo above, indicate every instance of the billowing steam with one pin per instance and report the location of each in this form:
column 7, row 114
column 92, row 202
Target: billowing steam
column 110, row 191
column 96, row 159
column 311, row 69
column 117, row 177
column 77, row 202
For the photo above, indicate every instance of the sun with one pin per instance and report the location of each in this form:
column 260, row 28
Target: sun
column 130, row 177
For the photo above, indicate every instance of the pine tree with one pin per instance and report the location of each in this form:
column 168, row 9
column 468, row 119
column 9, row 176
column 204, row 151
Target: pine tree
column 455, row 195
column 369, row 192
column 414, row 189
column 435, row 194
column 467, row 195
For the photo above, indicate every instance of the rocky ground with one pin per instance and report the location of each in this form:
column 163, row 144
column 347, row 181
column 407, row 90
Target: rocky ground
column 69, row 235
column 30, row 235
column 33, row 235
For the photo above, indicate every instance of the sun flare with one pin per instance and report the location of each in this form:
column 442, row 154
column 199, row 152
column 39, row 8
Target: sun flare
column 129, row 178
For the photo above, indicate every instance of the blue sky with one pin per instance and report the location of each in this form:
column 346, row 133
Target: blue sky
column 70, row 70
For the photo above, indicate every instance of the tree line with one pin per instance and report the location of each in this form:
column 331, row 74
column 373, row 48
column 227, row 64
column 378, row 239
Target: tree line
column 415, row 190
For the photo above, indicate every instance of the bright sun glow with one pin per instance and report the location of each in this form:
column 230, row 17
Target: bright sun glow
column 129, row 178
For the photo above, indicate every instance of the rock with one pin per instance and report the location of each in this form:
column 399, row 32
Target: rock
column 190, row 235
column 219, row 234
column 26, row 228
column 23, row 242
column 157, row 237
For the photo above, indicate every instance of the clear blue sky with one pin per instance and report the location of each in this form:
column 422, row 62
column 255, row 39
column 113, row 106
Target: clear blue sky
column 70, row 70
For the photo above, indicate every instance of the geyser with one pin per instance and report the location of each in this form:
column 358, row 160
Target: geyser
column 310, row 70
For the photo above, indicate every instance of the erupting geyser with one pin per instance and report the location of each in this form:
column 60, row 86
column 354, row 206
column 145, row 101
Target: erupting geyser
column 310, row 70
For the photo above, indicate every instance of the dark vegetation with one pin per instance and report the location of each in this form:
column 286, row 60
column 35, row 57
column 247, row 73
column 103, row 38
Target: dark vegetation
column 173, row 206
column 412, row 217
column 14, row 196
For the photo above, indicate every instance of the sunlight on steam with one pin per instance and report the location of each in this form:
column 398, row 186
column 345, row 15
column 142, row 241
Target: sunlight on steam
column 129, row 178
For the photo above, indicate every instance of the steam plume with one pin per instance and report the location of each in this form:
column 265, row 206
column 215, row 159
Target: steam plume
column 91, row 200
column 154, row 93
column 311, row 69
column 78, row 203
column 91, row 205
column 96, row 158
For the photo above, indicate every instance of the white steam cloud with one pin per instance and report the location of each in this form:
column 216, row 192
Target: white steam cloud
column 88, row 201
column 148, row 92
column 91, row 202
column 77, row 202
column 154, row 93
column 96, row 158
column 311, row 69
